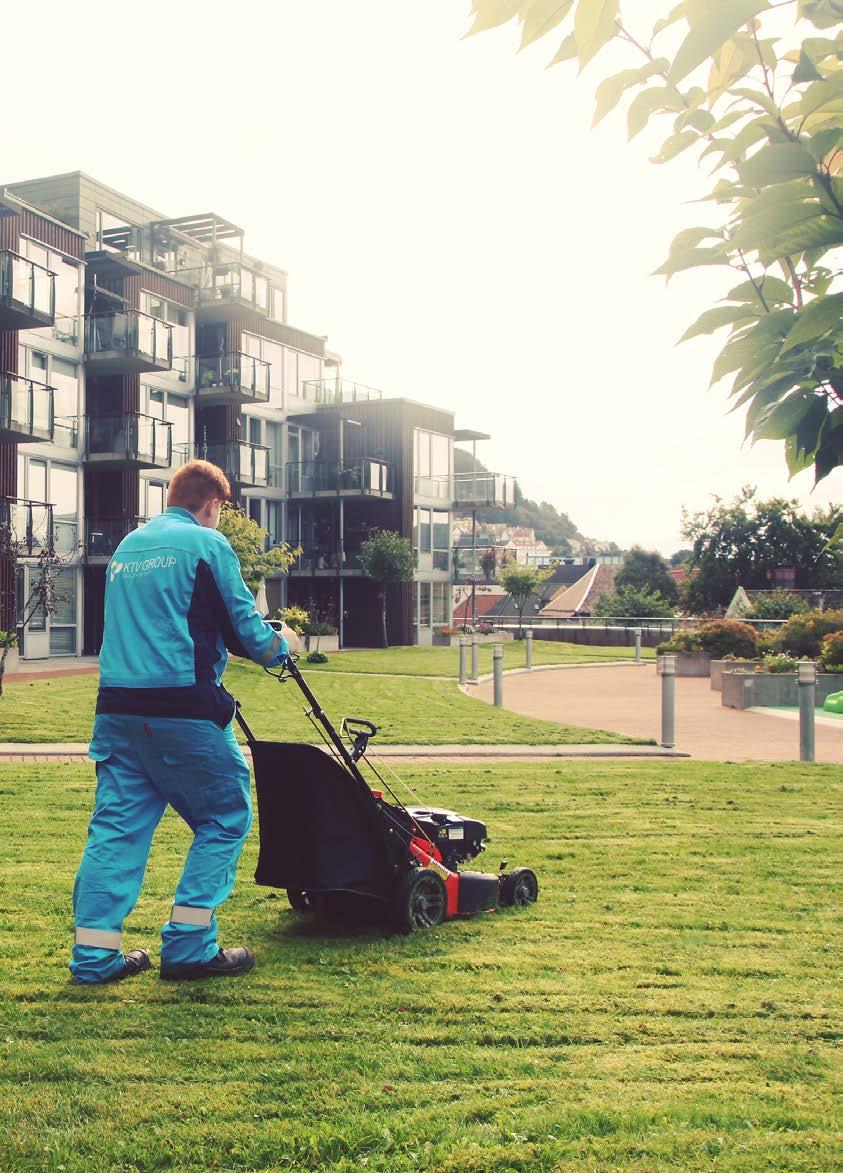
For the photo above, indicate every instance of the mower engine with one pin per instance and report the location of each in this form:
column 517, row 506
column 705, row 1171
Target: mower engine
column 458, row 838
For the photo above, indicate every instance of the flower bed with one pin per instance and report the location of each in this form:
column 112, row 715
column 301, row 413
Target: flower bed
column 749, row 690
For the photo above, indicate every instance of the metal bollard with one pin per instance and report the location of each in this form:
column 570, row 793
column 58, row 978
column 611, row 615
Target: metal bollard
column 668, row 672
column 529, row 638
column 497, row 670
column 463, row 659
column 636, row 631
column 475, row 642
column 806, row 676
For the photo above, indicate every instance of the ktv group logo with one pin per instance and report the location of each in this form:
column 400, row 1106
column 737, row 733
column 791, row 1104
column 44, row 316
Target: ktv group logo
column 144, row 566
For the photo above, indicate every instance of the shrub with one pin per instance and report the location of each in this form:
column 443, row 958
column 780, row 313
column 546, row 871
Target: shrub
column 778, row 662
column 724, row 637
column 831, row 652
column 681, row 641
column 802, row 634
column 317, row 658
column 485, row 628
column 295, row 617
column 632, row 602
column 319, row 629
column 778, row 604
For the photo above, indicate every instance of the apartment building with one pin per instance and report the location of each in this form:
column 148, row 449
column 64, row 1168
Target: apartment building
column 131, row 341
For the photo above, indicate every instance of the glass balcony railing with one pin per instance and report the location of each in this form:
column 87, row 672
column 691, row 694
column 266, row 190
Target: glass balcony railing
column 104, row 535
column 127, row 342
column 361, row 476
column 140, row 440
column 232, row 287
column 26, row 409
column 66, row 432
column 338, row 391
column 27, row 293
column 487, row 490
column 245, row 464
column 232, row 378
column 26, row 527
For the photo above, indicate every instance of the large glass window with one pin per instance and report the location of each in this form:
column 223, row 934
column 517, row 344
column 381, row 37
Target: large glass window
column 424, row 604
column 63, row 621
column 310, row 369
column 179, row 318
column 175, row 409
column 56, row 484
column 155, row 498
column 64, row 377
column 291, row 372
column 440, row 608
column 441, row 539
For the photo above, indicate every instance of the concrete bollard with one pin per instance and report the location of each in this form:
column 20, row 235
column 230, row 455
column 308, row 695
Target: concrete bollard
column 806, row 677
column 668, row 673
column 497, row 670
column 636, row 631
column 463, row 659
column 475, row 643
column 529, row 639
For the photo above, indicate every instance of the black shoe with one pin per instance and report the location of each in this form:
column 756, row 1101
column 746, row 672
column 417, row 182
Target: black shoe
column 135, row 962
column 227, row 963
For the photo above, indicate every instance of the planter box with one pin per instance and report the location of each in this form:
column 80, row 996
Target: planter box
column 748, row 690
column 327, row 643
column 718, row 667
column 689, row 664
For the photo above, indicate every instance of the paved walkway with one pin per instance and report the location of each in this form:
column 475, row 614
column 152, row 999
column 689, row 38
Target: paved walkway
column 629, row 702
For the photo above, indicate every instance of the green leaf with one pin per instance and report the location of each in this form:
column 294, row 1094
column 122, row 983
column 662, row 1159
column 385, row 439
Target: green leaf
column 760, row 230
column 774, row 289
column 777, row 163
column 699, row 120
column 489, row 14
column 595, row 24
column 814, row 236
column 821, row 94
column 715, row 319
column 675, row 14
column 805, row 70
column 764, row 399
column 610, row 91
column 825, row 14
column 647, row 103
column 824, row 142
column 815, row 320
column 713, row 26
column 783, row 419
column 675, row 145
column 567, row 51
column 690, row 258
column 541, row 17
column 735, row 149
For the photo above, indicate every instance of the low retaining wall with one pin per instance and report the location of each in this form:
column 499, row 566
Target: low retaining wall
column 600, row 637
column 718, row 667
column 688, row 664
column 749, row 690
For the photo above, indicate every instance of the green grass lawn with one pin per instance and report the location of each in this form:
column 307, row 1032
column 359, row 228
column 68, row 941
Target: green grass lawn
column 669, row 1003
column 407, row 710
column 446, row 661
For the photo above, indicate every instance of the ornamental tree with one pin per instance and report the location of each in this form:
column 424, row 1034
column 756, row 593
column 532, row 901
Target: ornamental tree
column 521, row 583
column 249, row 542
column 634, row 602
column 387, row 557
column 755, row 89
column 645, row 570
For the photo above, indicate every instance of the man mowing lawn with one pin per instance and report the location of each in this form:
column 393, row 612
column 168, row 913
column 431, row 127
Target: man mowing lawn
column 175, row 601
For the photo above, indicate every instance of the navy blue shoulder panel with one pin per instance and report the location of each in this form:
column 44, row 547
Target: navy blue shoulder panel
column 208, row 617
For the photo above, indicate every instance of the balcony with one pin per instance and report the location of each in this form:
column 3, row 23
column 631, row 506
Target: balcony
column 104, row 535
column 26, row 409
column 338, row 391
column 354, row 478
column 26, row 527
column 321, row 562
column 27, row 293
column 232, row 291
column 232, row 378
column 140, row 441
column 127, row 342
column 487, row 490
column 243, row 464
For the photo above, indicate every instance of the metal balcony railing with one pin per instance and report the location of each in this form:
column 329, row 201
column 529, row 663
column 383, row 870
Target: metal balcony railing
column 133, row 438
column 339, row 391
column 246, row 464
column 26, row 527
column 26, row 409
column 27, row 293
column 232, row 378
column 361, row 476
column 316, row 559
column 128, row 341
column 104, row 534
column 235, row 286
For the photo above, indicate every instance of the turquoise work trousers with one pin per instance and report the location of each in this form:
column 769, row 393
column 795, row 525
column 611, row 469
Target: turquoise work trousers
column 144, row 764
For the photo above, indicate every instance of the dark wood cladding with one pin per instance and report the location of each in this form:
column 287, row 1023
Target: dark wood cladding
column 9, row 351
column 9, row 232
column 63, row 240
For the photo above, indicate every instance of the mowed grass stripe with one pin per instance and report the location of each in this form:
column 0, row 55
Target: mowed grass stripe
column 669, row 1002
column 408, row 711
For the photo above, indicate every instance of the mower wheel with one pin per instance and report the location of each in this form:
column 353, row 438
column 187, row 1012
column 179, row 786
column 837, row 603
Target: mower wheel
column 422, row 901
column 299, row 900
column 519, row 887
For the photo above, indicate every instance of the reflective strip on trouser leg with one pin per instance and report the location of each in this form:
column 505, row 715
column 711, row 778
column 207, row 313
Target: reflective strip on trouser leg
column 182, row 914
column 99, row 938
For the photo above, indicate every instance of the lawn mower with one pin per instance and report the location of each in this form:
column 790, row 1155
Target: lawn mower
column 340, row 848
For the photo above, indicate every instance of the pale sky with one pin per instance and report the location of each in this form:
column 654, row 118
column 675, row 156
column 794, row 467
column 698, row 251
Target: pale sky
column 446, row 216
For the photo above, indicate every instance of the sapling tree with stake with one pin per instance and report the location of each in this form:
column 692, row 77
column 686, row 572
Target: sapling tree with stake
column 387, row 557
column 45, row 566
column 755, row 88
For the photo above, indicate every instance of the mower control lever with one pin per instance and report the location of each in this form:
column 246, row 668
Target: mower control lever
column 359, row 730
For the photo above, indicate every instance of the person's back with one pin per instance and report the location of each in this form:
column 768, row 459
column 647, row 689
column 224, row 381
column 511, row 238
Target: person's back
column 175, row 601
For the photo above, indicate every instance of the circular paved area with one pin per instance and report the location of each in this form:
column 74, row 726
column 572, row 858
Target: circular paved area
column 628, row 700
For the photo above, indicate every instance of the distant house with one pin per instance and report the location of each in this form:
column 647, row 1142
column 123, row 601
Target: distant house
column 818, row 600
column 581, row 597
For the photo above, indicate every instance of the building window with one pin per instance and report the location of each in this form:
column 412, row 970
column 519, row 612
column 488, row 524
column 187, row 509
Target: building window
column 424, row 604
column 63, row 376
column 431, row 463
column 175, row 410
column 441, row 539
column 55, row 484
column 440, row 606
column 68, row 290
column 179, row 318
column 63, row 620
column 156, row 495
